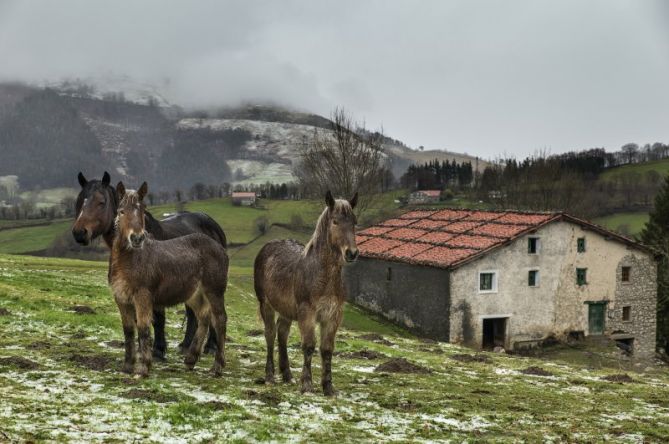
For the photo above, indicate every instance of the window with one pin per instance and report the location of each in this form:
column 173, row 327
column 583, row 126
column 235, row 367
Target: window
column 627, row 313
column 487, row 281
column 533, row 245
column 580, row 245
column 625, row 276
column 533, row 278
column 389, row 274
column 581, row 276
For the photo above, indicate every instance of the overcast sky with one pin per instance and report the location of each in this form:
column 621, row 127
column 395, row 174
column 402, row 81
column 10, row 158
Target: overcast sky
column 482, row 77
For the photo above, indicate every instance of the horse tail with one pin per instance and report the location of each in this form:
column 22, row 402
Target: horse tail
column 214, row 230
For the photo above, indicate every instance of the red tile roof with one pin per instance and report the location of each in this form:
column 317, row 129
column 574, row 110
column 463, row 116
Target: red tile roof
column 431, row 193
column 444, row 238
column 451, row 237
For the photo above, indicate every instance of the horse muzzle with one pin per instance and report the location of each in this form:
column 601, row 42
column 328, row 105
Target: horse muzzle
column 81, row 236
column 351, row 255
column 137, row 240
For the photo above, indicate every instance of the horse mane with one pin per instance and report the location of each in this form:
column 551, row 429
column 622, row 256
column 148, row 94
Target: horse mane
column 319, row 238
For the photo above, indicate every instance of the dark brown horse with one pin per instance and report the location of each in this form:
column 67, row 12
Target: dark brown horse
column 304, row 284
column 96, row 208
column 148, row 273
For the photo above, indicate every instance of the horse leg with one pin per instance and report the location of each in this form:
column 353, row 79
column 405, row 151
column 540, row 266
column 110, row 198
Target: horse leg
column 219, row 320
column 283, row 328
column 191, row 327
column 212, row 344
column 202, row 313
column 128, row 321
column 267, row 314
column 328, row 333
column 307, row 324
column 144, row 314
column 159, row 343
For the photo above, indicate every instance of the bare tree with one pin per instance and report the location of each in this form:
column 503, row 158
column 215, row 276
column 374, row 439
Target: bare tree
column 345, row 160
column 630, row 151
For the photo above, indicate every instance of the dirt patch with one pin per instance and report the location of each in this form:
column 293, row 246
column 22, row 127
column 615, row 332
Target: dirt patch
column 149, row 395
column 218, row 405
column 621, row 378
column 4, row 312
column 481, row 392
column 363, row 354
column 39, row 345
column 82, row 309
column 17, row 361
column 428, row 341
column 97, row 363
column 402, row 406
column 434, row 351
column 463, row 357
column 401, row 365
column 270, row 398
column 255, row 332
column 115, row 344
column 375, row 337
column 536, row 371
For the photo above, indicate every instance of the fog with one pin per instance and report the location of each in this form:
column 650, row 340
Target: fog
column 482, row 77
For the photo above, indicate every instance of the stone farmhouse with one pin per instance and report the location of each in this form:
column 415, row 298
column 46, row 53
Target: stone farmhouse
column 510, row 279
column 244, row 199
column 424, row 197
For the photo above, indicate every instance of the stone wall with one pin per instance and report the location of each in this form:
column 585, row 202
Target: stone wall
column 640, row 294
column 414, row 297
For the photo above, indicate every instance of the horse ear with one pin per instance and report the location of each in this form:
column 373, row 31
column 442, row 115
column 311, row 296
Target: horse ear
column 143, row 190
column 82, row 180
column 354, row 201
column 120, row 190
column 329, row 199
column 106, row 179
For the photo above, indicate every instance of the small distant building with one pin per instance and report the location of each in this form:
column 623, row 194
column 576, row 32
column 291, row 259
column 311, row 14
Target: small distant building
column 244, row 199
column 424, row 197
column 507, row 278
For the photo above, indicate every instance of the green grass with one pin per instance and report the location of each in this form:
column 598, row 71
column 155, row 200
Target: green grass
column 59, row 380
column 24, row 240
column 626, row 223
column 661, row 166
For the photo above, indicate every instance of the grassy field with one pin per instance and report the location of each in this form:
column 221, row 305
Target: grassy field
column 633, row 223
column 661, row 166
column 24, row 240
column 59, row 380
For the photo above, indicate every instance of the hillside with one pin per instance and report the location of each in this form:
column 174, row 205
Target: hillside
column 60, row 339
column 48, row 135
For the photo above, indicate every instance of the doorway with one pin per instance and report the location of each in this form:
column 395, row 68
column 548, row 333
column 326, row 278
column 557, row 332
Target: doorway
column 596, row 311
column 494, row 333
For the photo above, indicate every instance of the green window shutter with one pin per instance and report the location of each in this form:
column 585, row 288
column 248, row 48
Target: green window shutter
column 532, row 278
column 486, row 282
column 581, row 276
column 580, row 245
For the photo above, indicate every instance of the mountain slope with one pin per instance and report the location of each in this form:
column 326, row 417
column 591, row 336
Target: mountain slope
column 47, row 136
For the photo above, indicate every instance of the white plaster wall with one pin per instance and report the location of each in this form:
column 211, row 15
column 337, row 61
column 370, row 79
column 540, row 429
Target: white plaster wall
column 558, row 305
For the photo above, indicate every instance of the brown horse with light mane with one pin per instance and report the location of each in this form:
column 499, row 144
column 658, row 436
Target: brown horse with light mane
column 147, row 273
column 304, row 284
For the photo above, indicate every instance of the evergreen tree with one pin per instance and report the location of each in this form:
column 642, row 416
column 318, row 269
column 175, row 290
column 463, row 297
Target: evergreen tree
column 656, row 235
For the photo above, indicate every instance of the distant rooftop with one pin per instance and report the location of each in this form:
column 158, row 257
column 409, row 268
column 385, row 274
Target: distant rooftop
column 450, row 237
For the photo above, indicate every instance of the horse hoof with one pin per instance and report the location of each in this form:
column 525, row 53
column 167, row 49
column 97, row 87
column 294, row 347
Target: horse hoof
column 143, row 371
column 159, row 355
column 328, row 390
column 306, row 387
column 269, row 379
column 217, row 370
column 287, row 377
